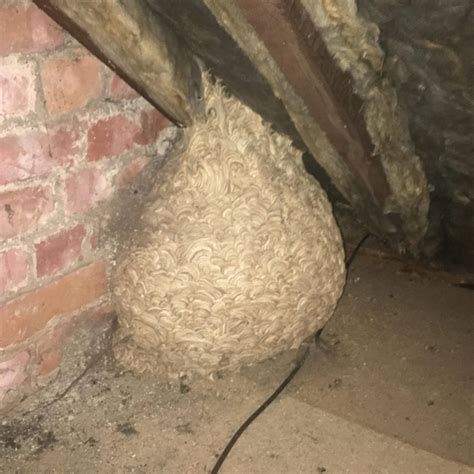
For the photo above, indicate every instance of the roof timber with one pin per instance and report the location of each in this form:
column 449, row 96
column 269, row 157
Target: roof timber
column 270, row 55
column 143, row 51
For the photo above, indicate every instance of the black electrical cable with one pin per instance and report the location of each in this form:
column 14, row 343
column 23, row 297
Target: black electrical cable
column 257, row 412
column 298, row 364
column 354, row 252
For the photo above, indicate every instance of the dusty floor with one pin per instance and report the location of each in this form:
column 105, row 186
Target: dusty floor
column 390, row 389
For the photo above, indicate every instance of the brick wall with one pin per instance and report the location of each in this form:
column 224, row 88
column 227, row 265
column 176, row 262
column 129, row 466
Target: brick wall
column 72, row 136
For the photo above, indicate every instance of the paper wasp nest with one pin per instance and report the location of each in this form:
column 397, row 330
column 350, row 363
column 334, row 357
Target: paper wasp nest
column 239, row 257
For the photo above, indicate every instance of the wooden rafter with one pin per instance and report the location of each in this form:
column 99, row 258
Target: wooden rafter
column 142, row 50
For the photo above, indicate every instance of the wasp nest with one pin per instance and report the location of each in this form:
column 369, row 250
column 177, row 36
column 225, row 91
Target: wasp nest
column 239, row 257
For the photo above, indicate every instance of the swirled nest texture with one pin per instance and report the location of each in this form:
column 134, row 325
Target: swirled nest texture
column 239, row 257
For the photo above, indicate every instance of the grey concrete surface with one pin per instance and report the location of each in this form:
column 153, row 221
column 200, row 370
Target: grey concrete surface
column 388, row 390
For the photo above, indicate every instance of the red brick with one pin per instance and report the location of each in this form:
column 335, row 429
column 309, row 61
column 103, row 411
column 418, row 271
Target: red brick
column 52, row 342
column 129, row 173
column 50, row 345
column 27, row 30
column 36, row 154
column 152, row 122
column 24, row 316
column 17, row 92
column 13, row 372
column 59, row 251
column 54, row 339
column 13, row 269
column 49, row 362
column 69, row 83
column 119, row 89
column 85, row 189
column 111, row 136
column 23, row 210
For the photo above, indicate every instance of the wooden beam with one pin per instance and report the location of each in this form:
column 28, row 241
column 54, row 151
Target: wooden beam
column 318, row 98
column 243, row 75
column 195, row 25
column 270, row 54
column 142, row 50
column 301, row 55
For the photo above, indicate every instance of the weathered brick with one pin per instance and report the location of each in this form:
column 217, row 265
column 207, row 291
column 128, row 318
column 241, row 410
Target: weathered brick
column 52, row 342
column 85, row 189
column 119, row 89
column 27, row 30
column 13, row 269
column 69, row 83
column 50, row 345
column 59, row 251
column 129, row 173
column 49, row 362
column 13, row 372
column 115, row 135
column 152, row 122
column 33, row 153
column 111, row 136
column 24, row 316
column 17, row 91
column 23, row 210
